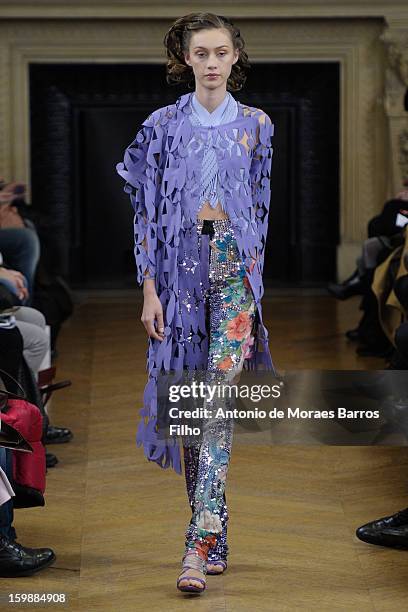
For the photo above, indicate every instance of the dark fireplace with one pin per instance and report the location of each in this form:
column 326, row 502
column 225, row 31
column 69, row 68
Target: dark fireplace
column 82, row 118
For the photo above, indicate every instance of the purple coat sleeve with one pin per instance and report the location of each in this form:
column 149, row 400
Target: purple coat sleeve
column 260, row 174
column 140, row 169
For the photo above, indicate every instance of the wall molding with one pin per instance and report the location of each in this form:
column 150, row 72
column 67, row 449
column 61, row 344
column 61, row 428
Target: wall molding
column 392, row 10
column 357, row 44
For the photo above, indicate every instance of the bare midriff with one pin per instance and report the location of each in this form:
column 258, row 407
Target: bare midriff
column 207, row 212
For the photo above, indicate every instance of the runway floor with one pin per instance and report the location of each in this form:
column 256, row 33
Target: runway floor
column 116, row 522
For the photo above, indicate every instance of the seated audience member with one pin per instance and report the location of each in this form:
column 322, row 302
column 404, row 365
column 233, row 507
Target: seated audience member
column 48, row 290
column 391, row 530
column 15, row 559
column 399, row 360
column 30, row 322
column 390, row 287
column 15, row 362
column 383, row 236
column 401, row 341
column 386, row 234
column 19, row 242
column 15, row 282
column 32, row 326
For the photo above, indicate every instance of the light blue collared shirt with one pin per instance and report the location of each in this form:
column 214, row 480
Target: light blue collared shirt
column 210, row 119
column 225, row 112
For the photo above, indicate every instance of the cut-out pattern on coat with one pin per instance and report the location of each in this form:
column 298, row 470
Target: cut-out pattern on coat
column 162, row 176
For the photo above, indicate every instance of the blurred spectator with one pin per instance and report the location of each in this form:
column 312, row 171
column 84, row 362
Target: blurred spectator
column 30, row 322
column 15, row 559
column 19, row 242
column 23, row 344
column 32, row 326
column 386, row 236
column 15, row 282
column 46, row 290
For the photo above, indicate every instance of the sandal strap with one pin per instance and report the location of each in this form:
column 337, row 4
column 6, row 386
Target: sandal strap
column 192, row 560
column 190, row 587
column 222, row 562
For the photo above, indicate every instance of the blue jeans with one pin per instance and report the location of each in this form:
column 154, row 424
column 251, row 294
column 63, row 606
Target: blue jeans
column 20, row 247
column 6, row 510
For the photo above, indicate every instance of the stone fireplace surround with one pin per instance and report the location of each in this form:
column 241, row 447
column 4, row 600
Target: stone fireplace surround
column 368, row 39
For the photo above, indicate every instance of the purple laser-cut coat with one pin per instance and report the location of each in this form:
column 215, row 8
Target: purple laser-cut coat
column 162, row 168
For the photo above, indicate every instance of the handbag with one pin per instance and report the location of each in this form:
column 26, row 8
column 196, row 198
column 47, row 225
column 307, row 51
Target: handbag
column 26, row 495
column 9, row 436
column 12, row 439
column 28, row 468
column 5, row 395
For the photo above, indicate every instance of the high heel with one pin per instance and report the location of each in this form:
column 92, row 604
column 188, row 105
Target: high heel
column 196, row 558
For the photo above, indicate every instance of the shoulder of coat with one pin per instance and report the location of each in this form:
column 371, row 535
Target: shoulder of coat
column 257, row 113
column 161, row 115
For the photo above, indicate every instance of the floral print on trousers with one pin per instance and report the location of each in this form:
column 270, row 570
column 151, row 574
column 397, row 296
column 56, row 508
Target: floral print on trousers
column 230, row 308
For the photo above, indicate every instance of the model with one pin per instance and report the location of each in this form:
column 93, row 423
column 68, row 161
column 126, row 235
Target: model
column 198, row 176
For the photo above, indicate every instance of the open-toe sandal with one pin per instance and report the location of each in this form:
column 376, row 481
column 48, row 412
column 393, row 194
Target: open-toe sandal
column 222, row 563
column 196, row 558
column 192, row 560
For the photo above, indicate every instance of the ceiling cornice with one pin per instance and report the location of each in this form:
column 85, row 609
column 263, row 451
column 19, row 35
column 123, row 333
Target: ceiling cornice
column 158, row 9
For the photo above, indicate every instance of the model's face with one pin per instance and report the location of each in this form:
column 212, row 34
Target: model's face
column 211, row 51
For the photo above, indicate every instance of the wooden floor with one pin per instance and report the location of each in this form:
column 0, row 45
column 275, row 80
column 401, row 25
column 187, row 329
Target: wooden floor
column 116, row 522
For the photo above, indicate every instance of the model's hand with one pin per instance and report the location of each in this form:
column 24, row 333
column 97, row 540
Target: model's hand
column 152, row 312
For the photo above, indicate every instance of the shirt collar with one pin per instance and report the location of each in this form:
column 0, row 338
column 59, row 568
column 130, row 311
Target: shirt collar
column 205, row 116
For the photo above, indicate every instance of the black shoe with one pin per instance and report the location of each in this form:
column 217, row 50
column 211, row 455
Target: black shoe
column 17, row 560
column 50, row 459
column 388, row 531
column 57, row 435
column 353, row 335
column 351, row 286
column 395, row 537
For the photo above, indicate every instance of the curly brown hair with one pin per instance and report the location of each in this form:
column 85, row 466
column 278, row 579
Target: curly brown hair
column 177, row 42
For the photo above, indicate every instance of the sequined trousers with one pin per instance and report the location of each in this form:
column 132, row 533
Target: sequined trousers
column 230, row 315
